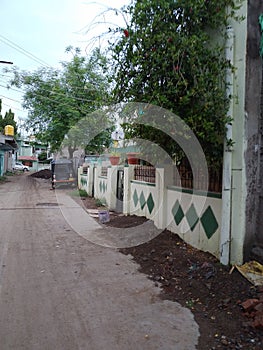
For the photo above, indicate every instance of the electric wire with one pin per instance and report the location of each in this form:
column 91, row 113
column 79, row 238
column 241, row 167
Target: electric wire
column 9, row 98
column 43, row 63
column 82, row 99
column 12, row 107
column 23, row 51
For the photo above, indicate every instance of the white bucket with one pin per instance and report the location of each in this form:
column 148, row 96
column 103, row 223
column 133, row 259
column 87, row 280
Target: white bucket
column 104, row 216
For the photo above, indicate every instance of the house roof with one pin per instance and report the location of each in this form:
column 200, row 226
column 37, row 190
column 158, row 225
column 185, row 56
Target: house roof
column 29, row 158
column 9, row 142
column 5, row 147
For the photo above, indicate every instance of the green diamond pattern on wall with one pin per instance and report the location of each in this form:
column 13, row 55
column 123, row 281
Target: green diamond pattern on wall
column 102, row 186
column 135, row 198
column 150, row 203
column 209, row 222
column 177, row 212
column 142, row 201
column 192, row 217
column 83, row 181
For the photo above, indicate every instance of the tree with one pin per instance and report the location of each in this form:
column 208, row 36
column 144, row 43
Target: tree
column 168, row 56
column 58, row 99
column 42, row 157
column 9, row 119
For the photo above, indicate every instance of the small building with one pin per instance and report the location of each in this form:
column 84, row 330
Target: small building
column 29, row 150
column 30, row 161
column 8, row 149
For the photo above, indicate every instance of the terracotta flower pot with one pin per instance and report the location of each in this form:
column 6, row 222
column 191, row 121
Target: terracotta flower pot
column 132, row 158
column 114, row 160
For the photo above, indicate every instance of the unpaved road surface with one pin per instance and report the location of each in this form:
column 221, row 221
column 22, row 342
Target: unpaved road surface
column 59, row 291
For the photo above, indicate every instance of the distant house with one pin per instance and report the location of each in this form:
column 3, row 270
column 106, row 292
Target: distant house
column 30, row 161
column 8, row 149
column 29, row 150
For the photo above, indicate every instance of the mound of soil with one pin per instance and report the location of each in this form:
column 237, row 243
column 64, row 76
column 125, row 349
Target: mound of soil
column 42, row 174
column 198, row 281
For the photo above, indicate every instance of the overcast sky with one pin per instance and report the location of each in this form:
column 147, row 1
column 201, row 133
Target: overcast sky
column 44, row 29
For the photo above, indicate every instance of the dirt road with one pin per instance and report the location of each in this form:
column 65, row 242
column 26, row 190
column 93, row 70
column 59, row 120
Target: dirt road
column 59, row 291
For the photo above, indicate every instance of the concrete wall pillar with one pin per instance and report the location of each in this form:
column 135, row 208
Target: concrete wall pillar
column 90, row 174
column 128, row 176
column 97, row 172
column 80, row 171
column 112, row 187
column 164, row 178
column 238, row 190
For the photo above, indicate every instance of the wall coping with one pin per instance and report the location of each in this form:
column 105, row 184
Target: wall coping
column 196, row 192
column 143, row 183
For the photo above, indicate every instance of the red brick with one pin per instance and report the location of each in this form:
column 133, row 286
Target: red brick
column 259, row 308
column 258, row 322
column 250, row 304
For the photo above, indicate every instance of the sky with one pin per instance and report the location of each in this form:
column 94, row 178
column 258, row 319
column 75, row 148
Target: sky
column 35, row 33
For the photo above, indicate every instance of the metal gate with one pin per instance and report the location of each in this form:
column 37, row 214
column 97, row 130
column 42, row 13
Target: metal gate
column 119, row 191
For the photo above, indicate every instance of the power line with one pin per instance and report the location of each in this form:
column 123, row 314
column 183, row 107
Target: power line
column 46, row 98
column 82, row 99
column 11, row 99
column 23, row 51
column 12, row 107
column 9, row 88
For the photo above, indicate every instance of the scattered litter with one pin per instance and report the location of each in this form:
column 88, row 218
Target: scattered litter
column 250, row 304
column 208, row 269
column 253, row 310
column 193, row 267
column 253, row 307
column 252, row 271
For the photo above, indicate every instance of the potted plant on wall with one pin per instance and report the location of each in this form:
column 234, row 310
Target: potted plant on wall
column 132, row 158
column 114, row 158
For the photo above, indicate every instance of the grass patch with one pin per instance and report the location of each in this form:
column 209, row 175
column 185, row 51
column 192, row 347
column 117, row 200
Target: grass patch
column 3, row 178
column 100, row 202
column 9, row 173
column 79, row 193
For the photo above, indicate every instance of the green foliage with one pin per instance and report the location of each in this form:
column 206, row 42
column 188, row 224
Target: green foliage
column 100, row 202
column 3, row 178
column 9, row 173
column 83, row 193
column 42, row 156
column 99, row 143
column 172, row 55
column 8, row 119
column 79, row 193
column 58, row 99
